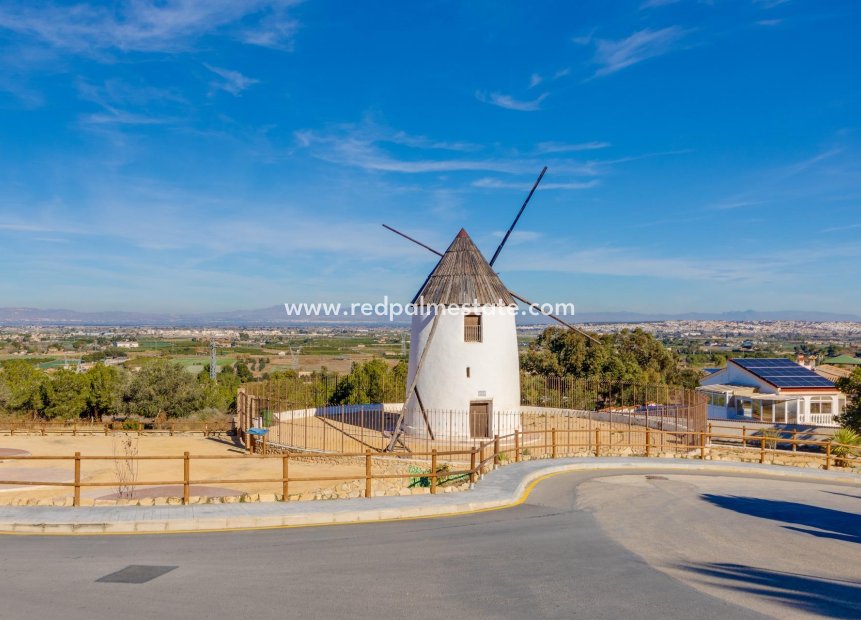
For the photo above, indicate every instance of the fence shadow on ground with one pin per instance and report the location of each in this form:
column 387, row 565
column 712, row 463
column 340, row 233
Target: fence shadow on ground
column 805, row 518
column 813, row 595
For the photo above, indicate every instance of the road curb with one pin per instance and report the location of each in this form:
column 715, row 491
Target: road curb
column 504, row 488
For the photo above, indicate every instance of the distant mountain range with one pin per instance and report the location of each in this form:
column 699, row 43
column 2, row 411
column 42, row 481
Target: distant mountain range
column 276, row 316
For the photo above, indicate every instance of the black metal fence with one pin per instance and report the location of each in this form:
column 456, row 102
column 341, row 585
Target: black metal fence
column 298, row 413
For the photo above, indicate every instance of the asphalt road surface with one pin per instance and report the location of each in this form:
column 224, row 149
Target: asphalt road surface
column 585, row 545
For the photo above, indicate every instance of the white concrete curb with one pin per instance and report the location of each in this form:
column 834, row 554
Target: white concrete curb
column 505, row 487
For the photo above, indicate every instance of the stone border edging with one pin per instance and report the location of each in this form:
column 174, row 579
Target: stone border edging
column 503, row 488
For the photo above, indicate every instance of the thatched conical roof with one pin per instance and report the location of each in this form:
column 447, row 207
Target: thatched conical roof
column 463, row 277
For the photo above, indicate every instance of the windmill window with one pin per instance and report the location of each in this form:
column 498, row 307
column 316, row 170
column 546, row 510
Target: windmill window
column 472, row 328
column 467, row 372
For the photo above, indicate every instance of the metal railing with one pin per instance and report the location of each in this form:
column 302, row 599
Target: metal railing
column 297, row 412
column 482, row 458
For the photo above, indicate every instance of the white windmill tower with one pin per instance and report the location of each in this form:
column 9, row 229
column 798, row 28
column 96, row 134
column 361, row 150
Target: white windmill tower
column 463, row 353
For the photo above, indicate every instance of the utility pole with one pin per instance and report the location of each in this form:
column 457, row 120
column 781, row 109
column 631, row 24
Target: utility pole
column 212, row 366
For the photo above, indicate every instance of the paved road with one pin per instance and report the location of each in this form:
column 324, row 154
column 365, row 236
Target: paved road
column 544, row 559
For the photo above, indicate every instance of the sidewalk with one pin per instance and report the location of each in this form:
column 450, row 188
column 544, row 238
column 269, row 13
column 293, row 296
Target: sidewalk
column 505, row 487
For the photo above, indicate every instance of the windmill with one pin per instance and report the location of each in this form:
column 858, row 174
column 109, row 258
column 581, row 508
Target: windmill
column 464, row 344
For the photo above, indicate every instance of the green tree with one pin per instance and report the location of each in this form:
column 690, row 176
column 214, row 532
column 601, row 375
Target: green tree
column 244, row 372
column 630, row 356
column 851, row 386
column 24, row 386
column 162, row 386
column 373, row 381
column 105, row 390
column 65, row 394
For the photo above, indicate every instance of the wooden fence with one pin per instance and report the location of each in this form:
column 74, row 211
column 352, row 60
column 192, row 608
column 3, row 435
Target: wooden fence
column 74, row 428
column 552, row 443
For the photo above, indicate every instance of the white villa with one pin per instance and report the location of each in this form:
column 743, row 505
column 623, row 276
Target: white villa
column 773, row 390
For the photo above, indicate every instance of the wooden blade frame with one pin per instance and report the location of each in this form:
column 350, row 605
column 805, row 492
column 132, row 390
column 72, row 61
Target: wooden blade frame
column 397, row 432
column 519, row 213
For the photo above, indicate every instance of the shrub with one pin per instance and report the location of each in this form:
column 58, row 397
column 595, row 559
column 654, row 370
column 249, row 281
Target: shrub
column 845, row 444
column 771, row 436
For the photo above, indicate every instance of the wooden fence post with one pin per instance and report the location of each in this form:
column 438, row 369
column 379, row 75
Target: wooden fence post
column 496, row 455
column 77, row 498
column 367, row 473
column 794, row 440
column 553, row 442
column 744, row 436
column 648, row 441
column 516, row 446
column 703, row 446
column 481, row 459
column 186, row 467
column 828, row 455
column 762, row 449
column 472, row 466
column 597, row 442
column 433, row 472
column 285, row 476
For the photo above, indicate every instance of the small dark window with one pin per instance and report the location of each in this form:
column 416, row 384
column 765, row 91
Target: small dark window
column 472, row 328
column 467, row 372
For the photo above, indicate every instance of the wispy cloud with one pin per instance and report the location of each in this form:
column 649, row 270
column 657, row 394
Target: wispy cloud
column 423, row 142
column 561, row 147
column 651, row 4
column 614, row 55
column 771, row 267
column 535, row 80
column 734, row 204
column 769, row 22
column 812, row 161
column 519, row 236
column 510, row 103
column 840, row 228
column 498, row 184
column 152, row 106
column 149, row 25
column 231, row 81
column 114, row 116
column 360, row 147
column 369, row 146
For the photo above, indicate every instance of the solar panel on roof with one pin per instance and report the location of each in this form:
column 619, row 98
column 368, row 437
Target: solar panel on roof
column 783, row 372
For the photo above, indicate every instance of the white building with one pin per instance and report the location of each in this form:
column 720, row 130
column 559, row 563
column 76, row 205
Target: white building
column 773, row 390
column 464, row 374
column 126, row 344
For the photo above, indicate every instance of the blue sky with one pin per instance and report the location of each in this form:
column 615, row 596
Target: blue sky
column 190, row 156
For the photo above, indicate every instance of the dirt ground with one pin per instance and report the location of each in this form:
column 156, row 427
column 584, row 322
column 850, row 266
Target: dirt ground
column 215, row 474
column 334, row 435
